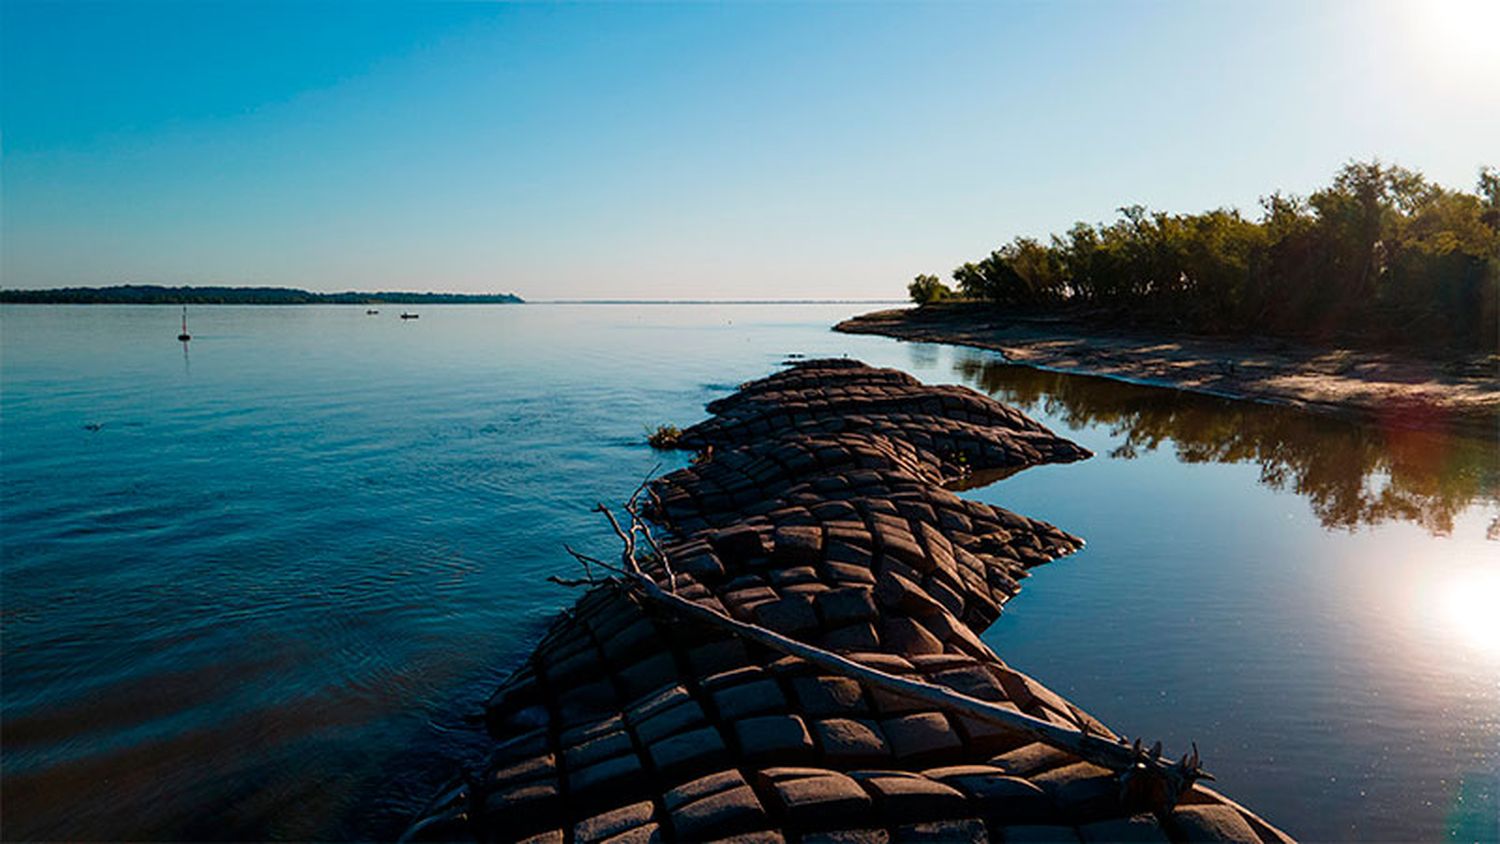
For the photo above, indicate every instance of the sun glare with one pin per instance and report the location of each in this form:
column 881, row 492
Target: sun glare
column 1470, row 604
column 1459, row 36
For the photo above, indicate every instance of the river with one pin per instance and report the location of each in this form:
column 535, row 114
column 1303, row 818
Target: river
column 252, row 586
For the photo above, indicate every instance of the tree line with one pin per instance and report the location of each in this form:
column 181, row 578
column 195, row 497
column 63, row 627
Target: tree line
column 1381, row 255
column 152, row 294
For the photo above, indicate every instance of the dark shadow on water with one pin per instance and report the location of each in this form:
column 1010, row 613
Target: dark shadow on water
column 983, row 478
column 1353, row 475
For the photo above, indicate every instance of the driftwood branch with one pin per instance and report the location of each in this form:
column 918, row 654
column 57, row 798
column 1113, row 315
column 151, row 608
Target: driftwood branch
column 1143, row 773
column 586, row 560
column 574, row 581
column 645, row 524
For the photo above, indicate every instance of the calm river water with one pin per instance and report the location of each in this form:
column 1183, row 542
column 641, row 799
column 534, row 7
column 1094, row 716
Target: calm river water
column 251, row 588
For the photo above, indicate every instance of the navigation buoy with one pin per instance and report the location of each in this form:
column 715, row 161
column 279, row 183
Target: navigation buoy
column 184, row 336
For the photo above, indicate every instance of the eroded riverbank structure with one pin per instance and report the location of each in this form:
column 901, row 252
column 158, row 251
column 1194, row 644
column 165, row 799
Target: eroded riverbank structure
column 794, row 655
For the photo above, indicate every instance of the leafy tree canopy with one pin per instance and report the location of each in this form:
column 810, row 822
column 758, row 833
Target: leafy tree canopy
column 1380, row 254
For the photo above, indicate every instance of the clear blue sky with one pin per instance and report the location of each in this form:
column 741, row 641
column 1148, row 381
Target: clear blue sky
column 739, row 151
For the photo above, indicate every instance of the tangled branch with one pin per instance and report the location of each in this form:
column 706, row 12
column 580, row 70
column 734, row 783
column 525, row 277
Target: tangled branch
column 1146, row 776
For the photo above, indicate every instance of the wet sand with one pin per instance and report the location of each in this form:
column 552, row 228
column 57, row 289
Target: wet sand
column 1388, row 388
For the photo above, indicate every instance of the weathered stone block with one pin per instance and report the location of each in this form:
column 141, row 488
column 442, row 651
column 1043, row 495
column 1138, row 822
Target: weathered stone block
column 612, row 823
column 582, row 733
column 779, row 739
column 1082, row 790
column 906, row 636
column 539, row 767
column 944, row 594
column 821, row 800
column 745, row 699
column 851, row 741
column 904, row 797
column 901, row 547
column 704, row 566
column 535, row 801
column 651, row 704
column 890, row 704
column 686, row 715
column 982, row 738
column 997, row 797
column 631, row 643
column 608, row 773
column 692, row 749
column 851, row 637
column 589, row 702
column 972, row 680
column 794, row 575
column 831, row 511
column 1210, row 822
column 797, row 544
column 840, row 607
column 739, row 543
column 648, row 675
column 1031, row 759
column 791, row 615
column 848, row 573
column 598, row 748
column 922, row 736
column 702, row 787
column 742, row 602
column 730, row 812
column 829, row 696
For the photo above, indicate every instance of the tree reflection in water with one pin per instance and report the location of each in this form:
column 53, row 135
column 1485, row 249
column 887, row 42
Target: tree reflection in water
column 1352, row 474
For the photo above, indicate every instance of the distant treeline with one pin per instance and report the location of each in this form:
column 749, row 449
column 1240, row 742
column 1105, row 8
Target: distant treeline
column 151, row 294
column 1381, row 255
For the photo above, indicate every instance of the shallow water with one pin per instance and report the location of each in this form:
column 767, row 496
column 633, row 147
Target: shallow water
column 251, row 588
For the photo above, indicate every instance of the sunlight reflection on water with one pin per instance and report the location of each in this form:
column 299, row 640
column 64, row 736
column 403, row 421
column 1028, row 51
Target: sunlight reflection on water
column 1469, row 602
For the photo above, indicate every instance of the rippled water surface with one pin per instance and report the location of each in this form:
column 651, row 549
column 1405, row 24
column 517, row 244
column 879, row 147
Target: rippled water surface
column 251, row 589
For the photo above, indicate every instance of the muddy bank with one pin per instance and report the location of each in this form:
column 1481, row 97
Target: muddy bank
column 1384, row 387
column 820, row 515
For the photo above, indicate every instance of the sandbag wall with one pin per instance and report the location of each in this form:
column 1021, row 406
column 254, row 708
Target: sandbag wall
column 818, row 509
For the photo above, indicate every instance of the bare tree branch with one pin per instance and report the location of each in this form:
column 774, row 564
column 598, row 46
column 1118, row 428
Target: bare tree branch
column 1142, row 773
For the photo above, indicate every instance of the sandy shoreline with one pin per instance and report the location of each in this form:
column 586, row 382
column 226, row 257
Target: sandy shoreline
column 1383, row 387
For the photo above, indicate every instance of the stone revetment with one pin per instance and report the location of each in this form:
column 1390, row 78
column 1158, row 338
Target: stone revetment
column 751, row 681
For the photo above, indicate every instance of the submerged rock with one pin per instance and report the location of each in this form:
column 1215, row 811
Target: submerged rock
column 821, row 513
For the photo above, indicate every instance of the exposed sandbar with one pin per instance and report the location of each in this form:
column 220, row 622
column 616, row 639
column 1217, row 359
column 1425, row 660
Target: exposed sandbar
column 1390, row 388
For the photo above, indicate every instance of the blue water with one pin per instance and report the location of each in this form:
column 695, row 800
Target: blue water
column 251, row 588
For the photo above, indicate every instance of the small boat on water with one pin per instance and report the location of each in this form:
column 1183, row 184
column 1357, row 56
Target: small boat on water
column 371, row 312
column 405, row 315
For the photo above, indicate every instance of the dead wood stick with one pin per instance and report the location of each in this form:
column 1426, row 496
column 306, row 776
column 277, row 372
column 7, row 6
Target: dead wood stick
column 1177, row 777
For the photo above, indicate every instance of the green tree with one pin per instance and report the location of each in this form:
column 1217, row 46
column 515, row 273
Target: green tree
column 1381, row 254
column 925, row 289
